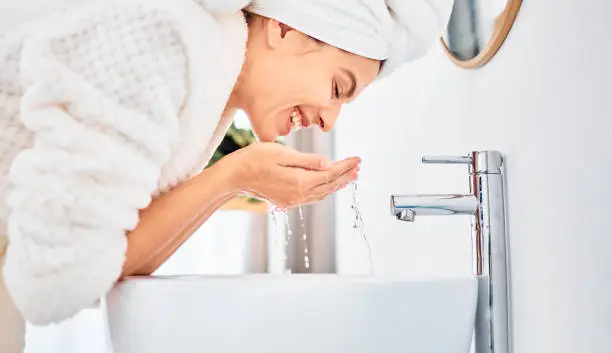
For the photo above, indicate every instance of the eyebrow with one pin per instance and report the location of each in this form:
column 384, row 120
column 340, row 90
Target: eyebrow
column 351, row 76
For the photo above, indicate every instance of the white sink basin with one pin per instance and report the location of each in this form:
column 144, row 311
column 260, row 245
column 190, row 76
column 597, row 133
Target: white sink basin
column 290, row 314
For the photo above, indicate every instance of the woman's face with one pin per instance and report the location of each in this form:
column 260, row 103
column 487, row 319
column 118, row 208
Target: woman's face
column 290, row 76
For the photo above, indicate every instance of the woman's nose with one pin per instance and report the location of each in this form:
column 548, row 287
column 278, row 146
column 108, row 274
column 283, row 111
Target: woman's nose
column 329, row 115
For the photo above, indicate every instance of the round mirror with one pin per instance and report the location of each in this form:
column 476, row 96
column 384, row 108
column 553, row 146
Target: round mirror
column 477, row 29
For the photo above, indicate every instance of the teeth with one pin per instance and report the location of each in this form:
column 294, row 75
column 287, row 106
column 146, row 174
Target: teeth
column 296, row 120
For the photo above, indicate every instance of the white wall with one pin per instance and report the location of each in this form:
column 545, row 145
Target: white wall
column 545, row 102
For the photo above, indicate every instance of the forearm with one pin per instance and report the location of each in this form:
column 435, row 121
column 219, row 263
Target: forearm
column 173, row 217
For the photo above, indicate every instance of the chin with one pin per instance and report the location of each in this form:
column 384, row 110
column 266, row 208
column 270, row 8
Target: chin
column 266, row 138
column 263, row 135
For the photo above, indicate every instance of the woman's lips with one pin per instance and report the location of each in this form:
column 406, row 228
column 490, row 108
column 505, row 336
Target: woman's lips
column 288, row 127
column 305, row 120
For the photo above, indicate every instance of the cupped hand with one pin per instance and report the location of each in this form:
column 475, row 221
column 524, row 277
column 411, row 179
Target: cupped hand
column 288, row 178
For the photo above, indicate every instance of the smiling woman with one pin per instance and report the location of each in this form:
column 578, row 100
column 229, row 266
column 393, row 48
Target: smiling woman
column 112, row 110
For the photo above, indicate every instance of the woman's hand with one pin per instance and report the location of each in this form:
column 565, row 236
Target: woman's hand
column 286, row 177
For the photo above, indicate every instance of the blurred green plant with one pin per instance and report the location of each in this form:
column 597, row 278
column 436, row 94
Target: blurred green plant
column 233, row 140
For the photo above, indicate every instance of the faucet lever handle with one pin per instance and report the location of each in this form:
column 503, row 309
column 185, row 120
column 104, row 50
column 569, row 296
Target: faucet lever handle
column 447, row 160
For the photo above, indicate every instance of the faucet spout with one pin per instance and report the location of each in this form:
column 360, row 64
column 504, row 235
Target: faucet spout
column 407, row 207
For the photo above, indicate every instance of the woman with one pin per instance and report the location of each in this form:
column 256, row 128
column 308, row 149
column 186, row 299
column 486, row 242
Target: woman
column 109, row 111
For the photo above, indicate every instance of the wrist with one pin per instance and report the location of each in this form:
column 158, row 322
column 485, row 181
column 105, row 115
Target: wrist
column 229, row 176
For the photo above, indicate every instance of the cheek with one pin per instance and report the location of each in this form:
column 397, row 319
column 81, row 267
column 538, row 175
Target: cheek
column 268, row 125
column 316, row 81
column 322, row 90
column 265, row 113
column 273, row 91
column 300, row 81
column 305, row 80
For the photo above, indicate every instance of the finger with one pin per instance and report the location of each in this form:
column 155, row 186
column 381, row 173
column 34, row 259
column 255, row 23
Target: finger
column 325, row 178
column 345, row 179
column 308, row 161
column 337, row 170
column 341, row 167
column 325, row 189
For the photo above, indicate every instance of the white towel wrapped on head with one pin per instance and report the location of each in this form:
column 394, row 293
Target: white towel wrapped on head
column 418, row 27
column 396, row 31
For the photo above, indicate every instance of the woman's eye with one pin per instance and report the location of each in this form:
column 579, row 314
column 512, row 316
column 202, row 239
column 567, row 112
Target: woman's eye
column 336, row 91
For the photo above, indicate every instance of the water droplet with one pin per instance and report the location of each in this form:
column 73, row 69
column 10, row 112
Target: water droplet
column 358, row 223
column 289, row 232
column 304, row 236
column 276, row 214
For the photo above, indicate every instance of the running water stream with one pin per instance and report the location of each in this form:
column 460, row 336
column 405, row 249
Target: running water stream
column 305, row 238
column 280, row 216
column 358, row 223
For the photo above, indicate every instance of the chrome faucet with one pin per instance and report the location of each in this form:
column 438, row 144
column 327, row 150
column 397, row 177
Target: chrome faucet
column 485, row 205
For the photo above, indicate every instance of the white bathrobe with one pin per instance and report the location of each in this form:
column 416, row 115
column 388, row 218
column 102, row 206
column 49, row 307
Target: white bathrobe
column 103, row 105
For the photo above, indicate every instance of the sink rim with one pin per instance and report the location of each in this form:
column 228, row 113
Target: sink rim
column 295, row 277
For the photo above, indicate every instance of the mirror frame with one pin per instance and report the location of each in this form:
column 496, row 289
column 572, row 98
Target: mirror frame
column 504, row 25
